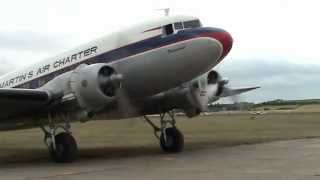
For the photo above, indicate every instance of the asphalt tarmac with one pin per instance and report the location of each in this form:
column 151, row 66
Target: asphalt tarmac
column 294, row 159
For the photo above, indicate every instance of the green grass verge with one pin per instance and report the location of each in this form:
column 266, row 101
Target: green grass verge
column 134, row 137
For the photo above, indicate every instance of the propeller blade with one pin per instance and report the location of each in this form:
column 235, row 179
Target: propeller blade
column 125, row 106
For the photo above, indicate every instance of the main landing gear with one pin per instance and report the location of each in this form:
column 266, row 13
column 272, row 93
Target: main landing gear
column 171, row 139
column 62, row 146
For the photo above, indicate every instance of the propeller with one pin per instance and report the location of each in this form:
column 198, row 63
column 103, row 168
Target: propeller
column 124, row 102
column 214, row 91
column 111, row 84
column 109, row 81
column 234, row 94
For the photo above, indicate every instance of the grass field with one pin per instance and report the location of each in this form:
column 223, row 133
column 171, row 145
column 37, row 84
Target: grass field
column 134, row 137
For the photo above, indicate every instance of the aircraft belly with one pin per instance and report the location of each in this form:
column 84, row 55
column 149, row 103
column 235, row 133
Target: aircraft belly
column 164, row 68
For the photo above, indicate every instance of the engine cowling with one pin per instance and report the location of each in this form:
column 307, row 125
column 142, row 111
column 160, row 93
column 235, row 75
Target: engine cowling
column 195, row 98
column 95, row 86
column 215, row 79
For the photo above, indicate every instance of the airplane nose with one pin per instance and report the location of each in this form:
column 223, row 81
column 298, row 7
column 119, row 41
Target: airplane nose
column 226, row 41
column 224, row 38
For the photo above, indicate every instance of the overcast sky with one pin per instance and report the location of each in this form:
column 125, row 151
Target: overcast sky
column 275, row 41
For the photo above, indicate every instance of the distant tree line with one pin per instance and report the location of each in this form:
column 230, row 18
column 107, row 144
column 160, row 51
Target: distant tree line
column 280, row 102
column 243, row 106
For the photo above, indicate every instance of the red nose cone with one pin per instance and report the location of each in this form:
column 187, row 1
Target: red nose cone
column 224, row 38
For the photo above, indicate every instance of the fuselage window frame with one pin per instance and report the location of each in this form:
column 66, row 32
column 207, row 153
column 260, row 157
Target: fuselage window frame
column 178, row 26
column 175, row 27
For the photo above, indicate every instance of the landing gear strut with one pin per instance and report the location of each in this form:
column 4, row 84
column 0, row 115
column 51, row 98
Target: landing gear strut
column 171, row 139
column 62, row 146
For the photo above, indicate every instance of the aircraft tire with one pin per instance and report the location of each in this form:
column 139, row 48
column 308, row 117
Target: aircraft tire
column 173, row 142
column 66, row 148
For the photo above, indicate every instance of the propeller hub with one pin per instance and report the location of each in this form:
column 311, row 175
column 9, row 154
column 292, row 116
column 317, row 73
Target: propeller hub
column 109, row 81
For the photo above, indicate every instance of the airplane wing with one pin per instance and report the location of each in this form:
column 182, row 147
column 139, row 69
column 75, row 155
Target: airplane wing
column 231, row 92
column 15, row 101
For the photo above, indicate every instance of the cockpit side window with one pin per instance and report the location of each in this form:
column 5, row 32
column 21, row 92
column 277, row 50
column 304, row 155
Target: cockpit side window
column 168, row 29
column 192, row 24
column 178, row 26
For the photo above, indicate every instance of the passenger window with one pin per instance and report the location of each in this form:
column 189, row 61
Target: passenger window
column 168, row 29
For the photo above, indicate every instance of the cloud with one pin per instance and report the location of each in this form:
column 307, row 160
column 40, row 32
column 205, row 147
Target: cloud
column 21, row 48
column 6, row 65
column 33, row 41
column 277, row 78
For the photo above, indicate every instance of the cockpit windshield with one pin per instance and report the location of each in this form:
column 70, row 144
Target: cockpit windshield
column 186, row 25
column 191, row 24
column 175, row 27
column 178, row 26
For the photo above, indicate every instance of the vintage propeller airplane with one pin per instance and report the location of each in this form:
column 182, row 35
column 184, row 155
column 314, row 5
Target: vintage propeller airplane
column 150, row 68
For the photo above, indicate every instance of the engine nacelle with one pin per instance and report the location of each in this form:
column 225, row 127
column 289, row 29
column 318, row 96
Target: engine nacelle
column 95, row 86
column 192, row 97
column 204, row 90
